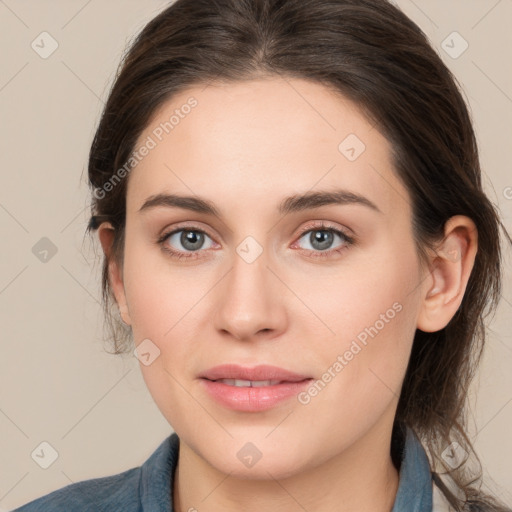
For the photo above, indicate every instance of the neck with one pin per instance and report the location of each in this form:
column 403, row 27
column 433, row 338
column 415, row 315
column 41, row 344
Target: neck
column 361, row 478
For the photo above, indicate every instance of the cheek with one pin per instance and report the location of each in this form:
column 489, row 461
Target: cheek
column 161, row 304
column 372, row 311
column 164, row 301
column 379, row 290
column 158, row 292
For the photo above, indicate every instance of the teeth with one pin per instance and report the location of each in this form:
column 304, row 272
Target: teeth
column 248, row 383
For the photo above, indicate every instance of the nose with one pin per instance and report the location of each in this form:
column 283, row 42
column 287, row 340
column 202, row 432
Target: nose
column 251, row 298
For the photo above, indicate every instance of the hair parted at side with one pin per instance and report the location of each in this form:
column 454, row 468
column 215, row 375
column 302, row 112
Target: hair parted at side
column 373, row 54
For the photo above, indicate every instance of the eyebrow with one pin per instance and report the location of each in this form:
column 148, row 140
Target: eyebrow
column 295, row 203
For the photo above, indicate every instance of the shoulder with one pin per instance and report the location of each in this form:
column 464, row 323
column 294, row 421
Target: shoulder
column 98, row 494
column 145, row 487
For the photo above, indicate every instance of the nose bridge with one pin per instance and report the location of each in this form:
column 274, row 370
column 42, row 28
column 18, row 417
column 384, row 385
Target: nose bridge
column 249, row 300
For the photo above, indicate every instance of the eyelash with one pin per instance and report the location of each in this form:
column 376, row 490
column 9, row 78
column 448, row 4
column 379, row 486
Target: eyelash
column 348, row 241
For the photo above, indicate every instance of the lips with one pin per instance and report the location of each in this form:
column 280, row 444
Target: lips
column 252, row 390
column 256, row 375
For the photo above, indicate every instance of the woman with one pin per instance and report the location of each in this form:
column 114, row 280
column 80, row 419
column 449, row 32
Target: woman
column 289, row 201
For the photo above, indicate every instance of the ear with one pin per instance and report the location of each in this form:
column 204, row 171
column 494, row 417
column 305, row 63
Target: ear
column 450, row 267
column 106, row 235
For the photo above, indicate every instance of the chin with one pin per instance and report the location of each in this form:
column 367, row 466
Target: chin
column 249, row 464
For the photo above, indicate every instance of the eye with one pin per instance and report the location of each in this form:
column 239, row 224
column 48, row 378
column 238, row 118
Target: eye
column 182, row 241
column 188, row 242
column 321, row 238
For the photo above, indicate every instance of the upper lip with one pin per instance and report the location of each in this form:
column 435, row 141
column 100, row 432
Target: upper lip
column 261, row 372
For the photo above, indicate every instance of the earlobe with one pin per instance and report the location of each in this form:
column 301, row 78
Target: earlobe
column 106, row 235
column 450, row 267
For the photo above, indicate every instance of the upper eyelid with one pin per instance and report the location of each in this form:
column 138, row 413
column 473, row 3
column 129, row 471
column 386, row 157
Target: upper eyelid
column 174, row 230
column 321, row 225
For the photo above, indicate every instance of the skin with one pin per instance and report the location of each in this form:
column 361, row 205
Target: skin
column 246, row 147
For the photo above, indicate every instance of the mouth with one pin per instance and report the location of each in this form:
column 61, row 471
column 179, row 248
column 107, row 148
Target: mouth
column 253, row 383
column 252, row 389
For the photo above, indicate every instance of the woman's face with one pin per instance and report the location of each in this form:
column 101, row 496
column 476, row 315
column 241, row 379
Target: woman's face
column 327, row 289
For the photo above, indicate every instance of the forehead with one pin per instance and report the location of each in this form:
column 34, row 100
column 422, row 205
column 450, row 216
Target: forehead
column 263, row 139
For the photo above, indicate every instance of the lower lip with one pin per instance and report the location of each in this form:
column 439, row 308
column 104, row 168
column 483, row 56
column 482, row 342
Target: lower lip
column 251, row 399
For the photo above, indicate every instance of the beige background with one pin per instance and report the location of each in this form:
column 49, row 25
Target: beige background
column 57, row 384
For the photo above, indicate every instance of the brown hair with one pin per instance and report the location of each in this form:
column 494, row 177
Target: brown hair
column 372, row 53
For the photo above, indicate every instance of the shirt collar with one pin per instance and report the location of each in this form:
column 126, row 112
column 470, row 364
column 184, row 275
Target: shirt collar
column 157, row 475
column 415, row 480
column 414, row 488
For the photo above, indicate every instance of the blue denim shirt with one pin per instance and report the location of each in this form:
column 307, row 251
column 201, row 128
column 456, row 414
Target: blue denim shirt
column 148, row 488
